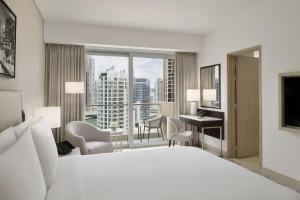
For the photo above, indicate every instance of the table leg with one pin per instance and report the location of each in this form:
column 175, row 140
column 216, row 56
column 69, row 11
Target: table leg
column 121, row 145
column 116, row 143
column 202, row 138
column 221, row 131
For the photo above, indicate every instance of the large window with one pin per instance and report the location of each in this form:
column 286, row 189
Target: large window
column 108, row 85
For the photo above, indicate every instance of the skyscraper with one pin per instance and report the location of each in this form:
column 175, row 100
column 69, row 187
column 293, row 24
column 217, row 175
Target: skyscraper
column 112, row 94
column 141, row 94
column 158, row 90
column 169, row 73
column 90, row 81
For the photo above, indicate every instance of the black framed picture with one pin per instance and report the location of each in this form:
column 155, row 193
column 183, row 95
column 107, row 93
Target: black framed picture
column 8, row 25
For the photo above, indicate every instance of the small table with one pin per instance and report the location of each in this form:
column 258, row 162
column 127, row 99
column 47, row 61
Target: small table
column 118, row 134
column 138, row 125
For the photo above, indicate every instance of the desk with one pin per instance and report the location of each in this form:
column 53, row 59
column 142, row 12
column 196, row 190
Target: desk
column 205, row 123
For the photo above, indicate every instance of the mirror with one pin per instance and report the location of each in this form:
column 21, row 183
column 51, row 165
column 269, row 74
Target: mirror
column 210, row 86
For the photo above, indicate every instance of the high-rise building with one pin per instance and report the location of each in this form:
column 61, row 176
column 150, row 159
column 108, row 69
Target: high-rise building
column 159, row 90
column 169, row 74
column 141, row 94
column 112, row 94
column 90, row 81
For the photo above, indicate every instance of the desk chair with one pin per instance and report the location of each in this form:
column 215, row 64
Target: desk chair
column 176, row 132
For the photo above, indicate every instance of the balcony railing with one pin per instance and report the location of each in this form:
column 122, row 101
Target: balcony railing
column 102, row 115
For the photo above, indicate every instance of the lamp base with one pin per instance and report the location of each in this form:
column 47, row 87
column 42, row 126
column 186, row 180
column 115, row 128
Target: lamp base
column 193, row 108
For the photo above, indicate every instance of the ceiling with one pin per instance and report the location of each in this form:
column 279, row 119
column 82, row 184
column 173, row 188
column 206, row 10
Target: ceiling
column 182, row 16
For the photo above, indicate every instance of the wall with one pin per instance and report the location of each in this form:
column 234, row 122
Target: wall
column 71, row 33
column 278, row 33
column 29, row 56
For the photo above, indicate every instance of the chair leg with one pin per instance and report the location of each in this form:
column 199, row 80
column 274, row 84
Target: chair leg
column 148, row 133
column 157, row 132
column 162, row 133
column 140, row 128
column 173, row 143
column 144, row 132
column 170, row 141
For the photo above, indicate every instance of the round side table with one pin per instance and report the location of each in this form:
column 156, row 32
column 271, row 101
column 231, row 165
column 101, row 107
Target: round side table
column 118, row 135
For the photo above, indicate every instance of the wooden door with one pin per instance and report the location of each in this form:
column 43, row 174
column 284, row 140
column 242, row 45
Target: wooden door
column 247, row 106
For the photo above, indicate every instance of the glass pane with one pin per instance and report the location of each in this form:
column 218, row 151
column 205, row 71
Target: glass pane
column 107, row 91
column 153, row 82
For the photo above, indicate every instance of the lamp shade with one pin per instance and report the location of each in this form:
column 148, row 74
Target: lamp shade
column 209, row 95
column 74, row 87
column 193, row 95
column 51, row 114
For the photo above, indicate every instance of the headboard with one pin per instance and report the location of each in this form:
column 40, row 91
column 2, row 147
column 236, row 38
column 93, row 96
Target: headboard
column 10, row 109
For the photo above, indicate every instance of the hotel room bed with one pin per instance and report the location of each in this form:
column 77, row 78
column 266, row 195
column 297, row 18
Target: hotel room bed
column 164, row 173
column 157, row 174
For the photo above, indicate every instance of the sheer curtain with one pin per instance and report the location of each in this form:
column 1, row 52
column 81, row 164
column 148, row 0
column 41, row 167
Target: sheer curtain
column 64, row 63
column 186, row 78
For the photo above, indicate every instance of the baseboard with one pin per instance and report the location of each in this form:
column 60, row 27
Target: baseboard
column 281, row 179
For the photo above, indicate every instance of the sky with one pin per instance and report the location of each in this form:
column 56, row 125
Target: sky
column 150, row 68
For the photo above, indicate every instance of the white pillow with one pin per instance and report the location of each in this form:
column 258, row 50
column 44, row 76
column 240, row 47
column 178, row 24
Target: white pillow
column 21, row 176
column 46, row 148
column 7, row 138
column 20, row 128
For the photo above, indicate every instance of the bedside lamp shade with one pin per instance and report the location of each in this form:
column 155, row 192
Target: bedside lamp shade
column 74, row 87
column 209, row 95
column 51, row 115
column 193, row 95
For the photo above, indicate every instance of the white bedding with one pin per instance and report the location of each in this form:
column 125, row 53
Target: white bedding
column 160, row 174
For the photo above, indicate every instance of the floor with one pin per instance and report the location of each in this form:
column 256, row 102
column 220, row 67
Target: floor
column 251, row 163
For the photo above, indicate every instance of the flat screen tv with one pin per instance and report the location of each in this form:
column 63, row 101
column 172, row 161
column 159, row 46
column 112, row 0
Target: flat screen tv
column 291, row 101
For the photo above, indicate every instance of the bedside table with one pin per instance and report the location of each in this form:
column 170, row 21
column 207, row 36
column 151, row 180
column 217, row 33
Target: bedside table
column 74, row 152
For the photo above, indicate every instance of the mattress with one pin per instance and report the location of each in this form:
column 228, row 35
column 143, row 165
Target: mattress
column 161, row 174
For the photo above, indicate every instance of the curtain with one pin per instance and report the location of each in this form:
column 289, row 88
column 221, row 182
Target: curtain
column 64, row 63
column 186, row 78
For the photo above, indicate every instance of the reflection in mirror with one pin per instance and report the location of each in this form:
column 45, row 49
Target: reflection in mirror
column 210, row 85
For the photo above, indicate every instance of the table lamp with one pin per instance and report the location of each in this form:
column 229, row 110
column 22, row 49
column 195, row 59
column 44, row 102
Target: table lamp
column 50, row 114
column 193, row 96
column 209, row 95
column 74, row 87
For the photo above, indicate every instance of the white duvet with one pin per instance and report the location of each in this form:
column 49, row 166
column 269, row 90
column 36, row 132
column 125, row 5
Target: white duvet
column 160, row 174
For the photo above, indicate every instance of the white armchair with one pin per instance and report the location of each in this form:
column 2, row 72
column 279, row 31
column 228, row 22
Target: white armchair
column 88, row 138
column 176, row 132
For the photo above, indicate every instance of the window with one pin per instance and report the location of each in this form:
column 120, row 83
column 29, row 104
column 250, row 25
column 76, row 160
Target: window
column 108, row 88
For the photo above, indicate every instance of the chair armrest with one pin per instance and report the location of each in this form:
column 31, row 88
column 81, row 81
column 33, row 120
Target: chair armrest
column 102, row 135
column 147, row 119
column 78, row 141
column 155, row 121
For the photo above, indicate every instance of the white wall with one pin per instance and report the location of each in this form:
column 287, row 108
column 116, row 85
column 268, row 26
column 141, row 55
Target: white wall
column 71, row 33
column 279, row 34
column 29, row 56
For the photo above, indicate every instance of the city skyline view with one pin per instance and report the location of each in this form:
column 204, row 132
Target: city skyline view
column 150, row 68
column 107, row 88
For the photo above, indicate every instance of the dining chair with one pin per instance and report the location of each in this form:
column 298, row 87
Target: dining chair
column 153, row 122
